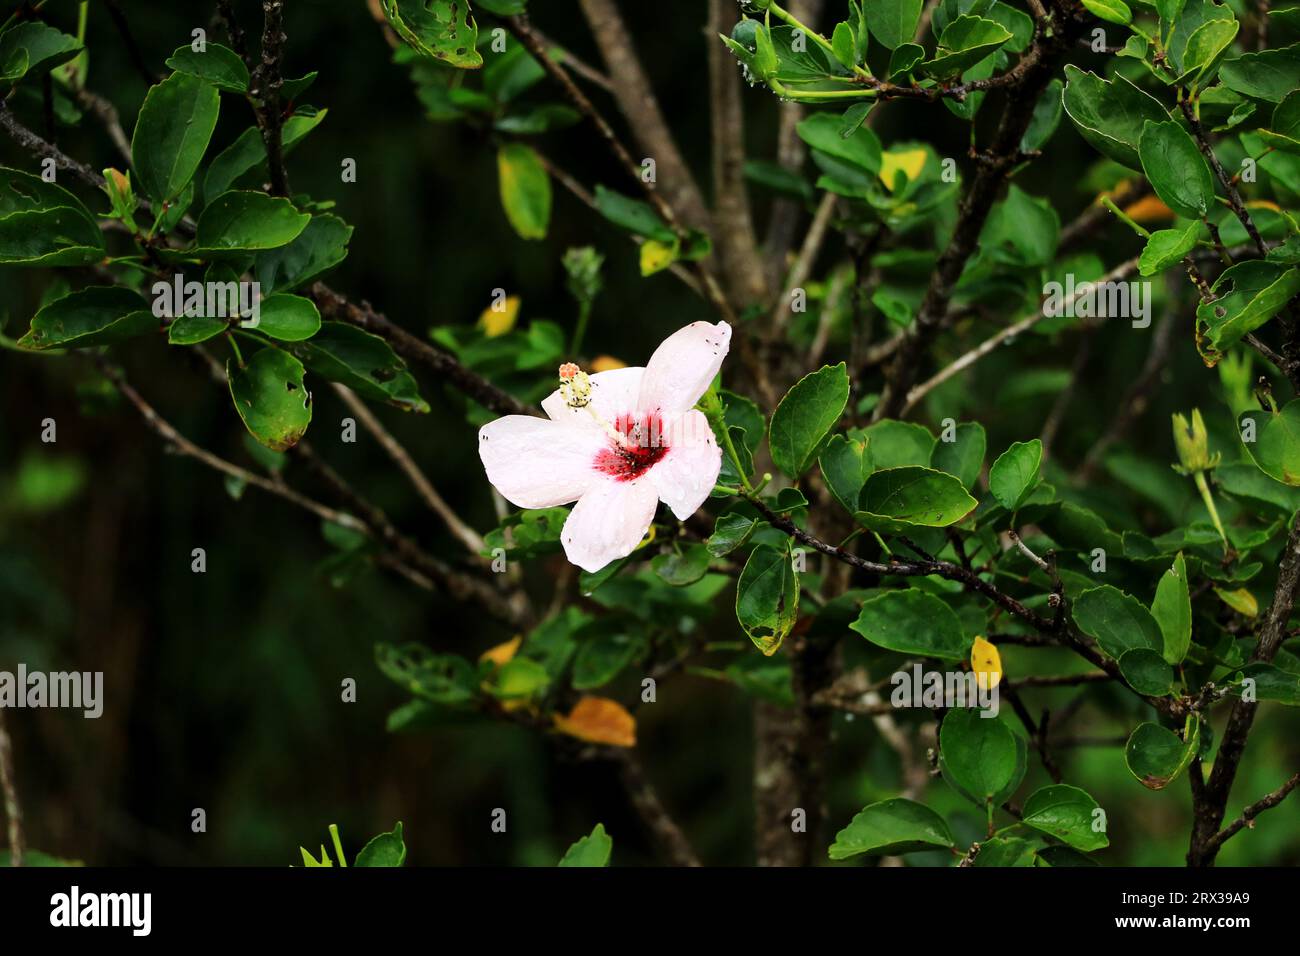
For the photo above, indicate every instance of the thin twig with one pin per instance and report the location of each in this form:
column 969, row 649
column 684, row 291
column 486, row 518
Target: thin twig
column 266, row 82
column 466, row 535
column 1247, row 818
column 9, row 790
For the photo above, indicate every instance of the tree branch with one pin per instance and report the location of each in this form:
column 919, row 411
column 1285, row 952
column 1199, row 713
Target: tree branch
column 1247, row 818
column 9, row 790
column 266, row 82
column 463, row 533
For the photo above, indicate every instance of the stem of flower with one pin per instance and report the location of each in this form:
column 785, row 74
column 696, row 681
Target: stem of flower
column 338, row 845
column 1203, row 487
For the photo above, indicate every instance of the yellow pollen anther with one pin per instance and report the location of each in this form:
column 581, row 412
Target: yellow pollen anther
column 575, row 386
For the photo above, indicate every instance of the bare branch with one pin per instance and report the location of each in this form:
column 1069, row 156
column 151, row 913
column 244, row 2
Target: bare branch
column 9, row 790
column 466, row 535
column 266, row 82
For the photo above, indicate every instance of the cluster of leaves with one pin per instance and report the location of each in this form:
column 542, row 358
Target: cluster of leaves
column 198, row 221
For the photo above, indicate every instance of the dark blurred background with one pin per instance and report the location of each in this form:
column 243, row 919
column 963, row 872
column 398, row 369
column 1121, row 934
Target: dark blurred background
column 223, row 689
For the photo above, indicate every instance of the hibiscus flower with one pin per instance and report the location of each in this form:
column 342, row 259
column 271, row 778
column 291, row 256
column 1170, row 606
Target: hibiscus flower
column 617, row 443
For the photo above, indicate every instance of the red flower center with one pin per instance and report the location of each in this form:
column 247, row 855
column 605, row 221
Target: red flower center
column 643, row 446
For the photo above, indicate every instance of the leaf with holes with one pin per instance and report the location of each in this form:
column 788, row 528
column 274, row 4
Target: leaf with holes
column 442, row 29
column 271, row 398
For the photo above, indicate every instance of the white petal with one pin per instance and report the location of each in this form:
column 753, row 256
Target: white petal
column 683, row 366
column 608, row 522
column 686, row 475
column 613, row 393
column 537, row 463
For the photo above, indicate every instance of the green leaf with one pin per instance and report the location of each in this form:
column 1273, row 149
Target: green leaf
column 289, row 318
column 245, row 221
column 1117, row 621
column 517, row 679
column 1155, row 755
column 845, row 464
column 682, row 568
column 889, row 828
column 99, row 315
column 978, row 753
column 905, row 59
column 270, row 397
column 731, row 532
column 35, row 48
column 1265, row 75
column 1276, row 448
column 218, row 65
column 321, row 246
column 806, row 416
column 1205, row 48
column 912, row 621
column 1110, row 114
column 50, row 237
column 1284, row 130
column 1112, row 11
column 1005, row 852
column 248, row 152
column 1066, row 813
column 1172, row 609
column 897, row 444
column 592, row 850
column 1147, row 672
column 525, row 190
column 892, row 22
column 172, row 133
column 1168, row 247
column 1176, row 168
column 767, row 598
column 1015, row 473
column 193, row 329
column 1047, row 116
column 963, row 456
column 1271, row 683
column 363, row 362
column 633, row 215
column 438, row 678
column 602, row 657
column 964, row 42
column 824, row 133
column 1259, row 290
column 442, row 29
column 897, row 499
column 387, row 849
column 843, row 45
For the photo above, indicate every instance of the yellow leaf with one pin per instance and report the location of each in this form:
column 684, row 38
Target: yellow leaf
column 606, row 363
column 656, row 255
column 599, row 720
column 502, row 653
column 498, row 320
column 909, row 162
column 1240, row 600
column 1149, row 209
column 986, row 662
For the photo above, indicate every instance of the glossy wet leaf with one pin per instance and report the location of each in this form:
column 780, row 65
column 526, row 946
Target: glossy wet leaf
column 896, row 500
column 1110, row 114
column 244, row 221
column 288, row 318
column 892, row 22
column 964, row 42
column 1066, row 813
column 845, row 464
column 1177, row 170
